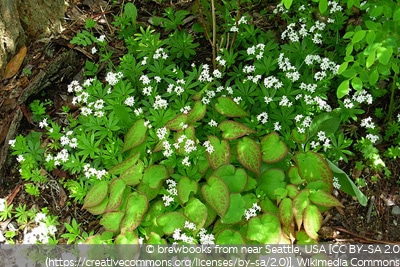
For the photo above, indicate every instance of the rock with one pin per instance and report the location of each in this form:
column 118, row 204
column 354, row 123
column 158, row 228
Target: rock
column 396, row 210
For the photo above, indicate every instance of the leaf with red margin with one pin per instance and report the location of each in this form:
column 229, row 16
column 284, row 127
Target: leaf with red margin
column 221, row 154
column 312, row 221
column 227, row 107
column 249, row 154
column 216, row 194
column 273, row 149
column 233, row 130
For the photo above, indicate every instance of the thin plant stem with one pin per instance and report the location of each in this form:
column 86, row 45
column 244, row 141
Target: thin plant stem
column 214, row 34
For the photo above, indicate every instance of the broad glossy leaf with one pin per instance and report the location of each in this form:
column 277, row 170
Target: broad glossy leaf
column 100, row 208
column 323, row 6
column 96, row 194
column 229, row 237
column 197, row 113
column 112, row 220
column 221, row 154
column 265, row 229
column 273, row 149
column 196, row 212
column 117, row 188
column 133, row 175
column 227, row 107
column 149, row 192
column 358, row 36
column 233, row 130
column 124, row 165
column 216, row 194
column 136, row 208
column 171, row 221
column 327, row 122
column 235, row 211
column 154, row 175
column 343, row 89
column 185, row 187
column 312, row 221
column 321, row 198
column 272, row 180
column 286, row 212
column 176, row 123
column 384, row 54
column 235, row 179
column 313, row 167
column 357, row 83
column 249, row 154
column 127, row 238
column 300, row 202
column 136, row 135
column 294, row 176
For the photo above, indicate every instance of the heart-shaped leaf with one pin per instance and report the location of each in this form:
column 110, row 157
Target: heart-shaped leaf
column 124, row 165
column 221, row 154
column 136, row 135
column 197, row 113
column 136, row 208
column 233, row 130
column 112, row 220
column 185, row 187
column 267, row 205
column 176, row 123
column 149, row 192
column 235, row 211
column 227, row 107
column 235, row 179
column 300, row 203
column 249, row 154
column 196, row 211
column 286, row 213
column 321, row 198
column 272, row 180
column 312, row 221
column 100, row 208
column 229, row 237
column 96, row 194
column 313, row 167
column 265, row 229
column 273, row 149
column 154, row 175
column 133, row 175
column 216, row 194
column 117, row 188
column 171, row 221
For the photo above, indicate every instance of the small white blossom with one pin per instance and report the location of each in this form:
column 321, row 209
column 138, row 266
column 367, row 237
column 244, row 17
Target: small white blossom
column 130, row 101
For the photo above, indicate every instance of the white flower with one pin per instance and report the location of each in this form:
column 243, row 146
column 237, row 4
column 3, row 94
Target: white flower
column 43, row 123
column 190, row 226
column 94, row 50
column 167, row 200
column 40, row 216
column 206, row 239
column 373, row 138
column 209, row 147
column 263, row 117
column 161, row 133
column 336, row 183
column 101, row 38
column 277, row 126
column 367, row 123
column 12, row 142
column 160, row 103
column 213, row 123
column 3, row 204
column 113, row 78
column 130, row 101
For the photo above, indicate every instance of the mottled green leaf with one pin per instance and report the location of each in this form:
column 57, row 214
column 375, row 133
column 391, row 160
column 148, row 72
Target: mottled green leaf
column 273, row 149
column 177, row 123
column 185, row 187
column 136, row 208
column 124, row 165
column 300, row 202
column 136, row 135
column 196, row 113
column 216, row 194
column 235, row 179
column 249, row 154
column 133, row 175
column 233, row 130
column 265, row 229
column 221, row 154
column 196, row 211
column 286, row 212
column 312, row 221
column 117, row 188
column 171, row 221
column 112, row 220
column 96, row 194
column 227, row 107
column 235, row 211
column 229, row 237
column 154, row 175
column 271, row 180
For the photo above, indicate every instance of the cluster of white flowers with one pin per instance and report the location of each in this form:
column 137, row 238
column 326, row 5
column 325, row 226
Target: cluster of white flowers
column 252, row 212
column 162, row 133
column 113, row 77
column 209, row 147
column 41, row 232
column 92, row 172
column 185, row 109
column 362, row 96
column 160, row 53
column 178, row 236
column 285, row 102
column 235, row 28
column 334, row 7
column 189, row 225
column 160, row 103
column 144, row 79
column 172, row 191
column 290, row 71
column 372, row 137
column 311, row 87
column 305, row 122
column 67, row 140
column 262, row 117
column 205, row 74
column 272, row 81
column 277, row 126
column 367, row 123
column 336, row 183
column 321, row 138
column 206, row 239
column 62, row 156
column 3, row 203
column 257, row 50
column 130, row 101
column 213, row 123
column 220, row 61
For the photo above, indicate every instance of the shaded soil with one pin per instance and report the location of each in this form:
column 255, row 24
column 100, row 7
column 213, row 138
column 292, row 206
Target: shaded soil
column 375, row 223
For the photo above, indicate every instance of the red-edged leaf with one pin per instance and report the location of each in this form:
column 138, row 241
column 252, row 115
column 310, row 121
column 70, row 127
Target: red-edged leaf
column 216, row 194
column 227, row 107
column 221, row 154
column 324, row 199
column 249, row 154
column 312, row 221
column 234, row 130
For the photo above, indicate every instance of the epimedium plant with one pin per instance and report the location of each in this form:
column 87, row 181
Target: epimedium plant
column 166, row 151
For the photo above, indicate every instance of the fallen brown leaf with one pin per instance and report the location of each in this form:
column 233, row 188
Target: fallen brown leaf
column 15, row 63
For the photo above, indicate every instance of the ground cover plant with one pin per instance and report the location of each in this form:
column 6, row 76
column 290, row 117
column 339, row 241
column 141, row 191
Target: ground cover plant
column 242, row 148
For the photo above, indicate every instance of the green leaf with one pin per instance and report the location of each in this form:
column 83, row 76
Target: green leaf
column 221, row 154
column 313, row 167
column 321, row 198
column 249, row 154
column 112, row 220
column 235, row 211
column 134, row 174
column 227, row 107
column 287, row 3
column 176, row 123
column 273, row 149
column 347, row 185
column 286, row 213
column 136, row 208
column 130, row 11
column 343, row 89
column 128, row 238
column 327, row 122
column 234, row 130
column 358, row 36
column 371, row 58
column 185, row 187
column 357, row 83
column 272, row 180
column 216, row 194
column 268, row 206
column 384, row 54
column 235, row 179
column 154, row 175
column 196, row 113
column 343, row 67
column 100, row 208
column 229, row 237
column 265, row 229
column 96, row 194
column 312, row 221
column 300, row 203
column 135, row 136
column 117, row 188
column 196, row 211
column 124, row 165
column 294, row 176
column 373, row 77
column 323, row 6
column 171, row 221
